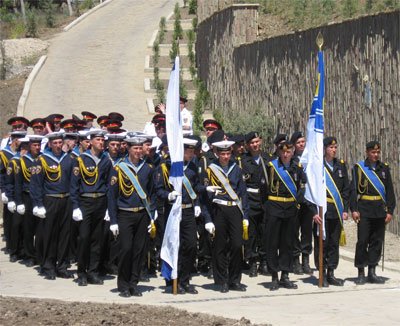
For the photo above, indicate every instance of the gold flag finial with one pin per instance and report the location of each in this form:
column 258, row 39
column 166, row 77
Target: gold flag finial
column 320, row 40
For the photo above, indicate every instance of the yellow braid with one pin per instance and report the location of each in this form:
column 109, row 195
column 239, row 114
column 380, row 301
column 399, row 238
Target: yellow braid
column 165, row 173
column 362, row 187
column 215, row 181
column 25, row 171
column 47, row 169
column 4, row 159
column 127, row 189
column 85, row 173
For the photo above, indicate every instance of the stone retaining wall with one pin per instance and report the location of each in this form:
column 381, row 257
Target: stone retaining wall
column 362, row 58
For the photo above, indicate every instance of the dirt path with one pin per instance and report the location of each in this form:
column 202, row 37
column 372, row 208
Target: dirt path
column 99, row 64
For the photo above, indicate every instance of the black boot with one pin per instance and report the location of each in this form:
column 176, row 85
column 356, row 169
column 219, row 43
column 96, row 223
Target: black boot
column 275, row 282
column 325, row 283
column 285, row 282
column 297, row 269
column 361, row 280
column 253, row 268
column 332, row 280
column 373, row 278
column 263, row 268
column 305, row 264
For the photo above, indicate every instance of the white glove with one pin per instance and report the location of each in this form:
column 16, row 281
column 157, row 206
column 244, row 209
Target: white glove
column 213, row 188
column 114, row 229
column 107, row 217
column 172, row 195
column 40, row 212
column 77, row 215
column 210, row 227
column 155, row 215
column 12, row 206
column 197, row 211
column 246, row 222
column 21, row 209
column 4, row 198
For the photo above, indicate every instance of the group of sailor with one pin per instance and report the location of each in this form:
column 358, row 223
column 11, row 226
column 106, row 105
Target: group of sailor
column 101, row 197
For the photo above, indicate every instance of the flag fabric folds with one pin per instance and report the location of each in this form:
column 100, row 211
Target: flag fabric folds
column 170, row 244
column 313, row 155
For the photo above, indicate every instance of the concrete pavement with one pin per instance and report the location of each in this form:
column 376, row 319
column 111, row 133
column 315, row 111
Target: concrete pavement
column 98, row 65
column 308, row 305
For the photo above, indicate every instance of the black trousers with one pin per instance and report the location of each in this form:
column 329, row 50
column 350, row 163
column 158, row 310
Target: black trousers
column 187, row 245
column 90, row 234
column 303, row 232
column 204, row 251
column 7, row 217
column 333, row 228
column 132, row 236
column 29, row 229
column 280, row 235
column 53, row 242
column 370, row 237
column 109, row 248
column 16, row 234
column 227, row 245
column 253, row 247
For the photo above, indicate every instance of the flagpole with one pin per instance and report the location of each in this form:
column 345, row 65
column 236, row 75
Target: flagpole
column 320, row 42
column 321, row 250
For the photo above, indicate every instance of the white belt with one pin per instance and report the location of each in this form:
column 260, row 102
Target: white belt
column 224, row 202
column 253, row 190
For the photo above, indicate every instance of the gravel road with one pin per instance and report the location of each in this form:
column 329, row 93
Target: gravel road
column 98, row 65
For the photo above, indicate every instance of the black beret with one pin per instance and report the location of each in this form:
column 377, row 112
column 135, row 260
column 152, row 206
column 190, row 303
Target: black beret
column 237, row 138
column 330, row 141
column 251, row 135
column 217, row 135
column 296, row 135
column 279, row 138
column 285, row 145
column 374, row 144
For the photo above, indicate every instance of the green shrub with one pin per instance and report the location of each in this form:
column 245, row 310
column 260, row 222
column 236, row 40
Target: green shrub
column 249, row 120
column 194, row 23
column 178, row 31
column 192, row 7
column 31, row 24
column 86, row 4
column 18, row 29
column 349, row 8
column 177, row 11
column 174, row 50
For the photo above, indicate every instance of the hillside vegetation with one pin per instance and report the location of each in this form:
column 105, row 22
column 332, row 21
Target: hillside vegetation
column 283, row 16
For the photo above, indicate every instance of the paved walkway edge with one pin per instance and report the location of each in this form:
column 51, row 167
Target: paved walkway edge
column 82, row 17
column 28, row 85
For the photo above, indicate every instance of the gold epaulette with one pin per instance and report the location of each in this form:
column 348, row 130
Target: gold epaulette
column 342, row 161
column 300, row 166
column 387, row 164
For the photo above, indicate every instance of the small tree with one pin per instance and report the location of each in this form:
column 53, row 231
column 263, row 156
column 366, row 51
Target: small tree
column 31, row 24
column 192, row 7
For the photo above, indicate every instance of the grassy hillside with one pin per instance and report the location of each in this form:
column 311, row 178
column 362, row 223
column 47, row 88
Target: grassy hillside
column 281, row 16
